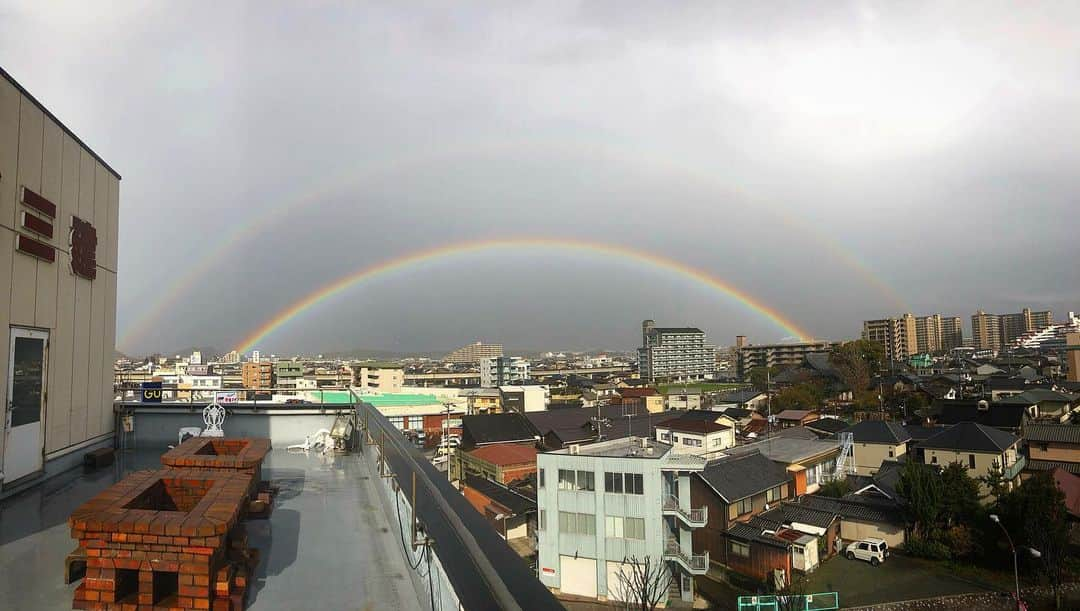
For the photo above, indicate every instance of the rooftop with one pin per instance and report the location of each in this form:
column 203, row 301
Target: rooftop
column 788, row 450
column 621, row 448
column 506, row 453
column 879, row 431
column 1054, row 433
column 971, row 436
column 738, row 477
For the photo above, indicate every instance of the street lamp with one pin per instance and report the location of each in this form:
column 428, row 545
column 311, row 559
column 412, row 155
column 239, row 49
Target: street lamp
column 1016, row 571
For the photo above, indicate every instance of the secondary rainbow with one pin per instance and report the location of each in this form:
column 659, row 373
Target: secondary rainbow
column 335, row 287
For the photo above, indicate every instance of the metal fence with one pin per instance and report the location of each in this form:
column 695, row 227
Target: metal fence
column 823, row 601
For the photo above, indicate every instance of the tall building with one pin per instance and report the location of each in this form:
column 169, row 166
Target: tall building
column 385, row 378
column 898, row 336
column 231, row 358
column 603, row 503
column 254, row 374
column 1072, row 356
column 502, row 370
column 195, row 358
column 474, row 353
column 675, row 353
column 59, row 207
column 776, row 355
column 986, row 331
column 256, row 356
column 937, row 333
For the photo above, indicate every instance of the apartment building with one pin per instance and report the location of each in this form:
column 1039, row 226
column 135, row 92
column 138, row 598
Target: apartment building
column 498, row 371
column 383, row 378
column 59, row 207
column 995, row 331
column 257, row 375
column 604, row 505
column 937, row 333
column 775, row 355
column 1072, row 356
column 474, row 353
column 287, row 373
column 675, row 353
column 898, row 336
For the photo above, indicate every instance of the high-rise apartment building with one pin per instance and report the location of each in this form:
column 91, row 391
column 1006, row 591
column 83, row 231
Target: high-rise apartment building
column 502, row 370
column 257, row 374
column 474, row 353
column 996, row 331
column 937, row 333
column 898, row 336
column 776, row 355
column 675, row 353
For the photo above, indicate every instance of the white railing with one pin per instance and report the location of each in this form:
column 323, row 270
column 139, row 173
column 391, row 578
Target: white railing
column 695, row 517
column 696, row 564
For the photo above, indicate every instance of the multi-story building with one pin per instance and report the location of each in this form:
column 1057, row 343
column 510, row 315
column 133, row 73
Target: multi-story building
column 980, row 449
column 383, row 378
column 231, row 357
column 937, row 333
column 59, row 208
column 521, row 399
column 607, row 506
column 995, row 331
column 255, row 375
column 675, row 353
column 952, row 333
column 775, row 355
column 474, row 353
column 498, row 371
column 1072, row 356
column 986, row 331
column 898, row 336
column 286, row 373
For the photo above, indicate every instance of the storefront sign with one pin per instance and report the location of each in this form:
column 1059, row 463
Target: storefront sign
column 151, row 392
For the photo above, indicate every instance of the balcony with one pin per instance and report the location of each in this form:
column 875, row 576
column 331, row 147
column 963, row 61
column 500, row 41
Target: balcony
column 694, row 518
column 695, row 564
column 1014, row 469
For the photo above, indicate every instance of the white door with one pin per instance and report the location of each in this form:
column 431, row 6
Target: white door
column 24, row 440
column 620, row 588
column 577, row 576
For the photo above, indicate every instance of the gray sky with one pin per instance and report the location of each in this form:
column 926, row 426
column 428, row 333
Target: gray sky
column 837, row 161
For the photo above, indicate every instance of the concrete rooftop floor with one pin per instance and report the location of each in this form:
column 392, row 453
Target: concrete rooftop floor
column 327, row 545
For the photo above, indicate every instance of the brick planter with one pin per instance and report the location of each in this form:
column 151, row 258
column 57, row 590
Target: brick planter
column 166, row 539
column 217, row 453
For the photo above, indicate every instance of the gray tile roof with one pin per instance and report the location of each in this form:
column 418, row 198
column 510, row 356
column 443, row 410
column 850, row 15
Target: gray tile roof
column 1060, row 433
column 1050, row 465
column 827, row 425
column 786, row 513
column 856, row 508
column 738, row 477
column 972, row 437
column 879, row 431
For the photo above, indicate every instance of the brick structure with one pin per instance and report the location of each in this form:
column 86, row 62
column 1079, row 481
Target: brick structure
column 244, row 455
column 166, row 539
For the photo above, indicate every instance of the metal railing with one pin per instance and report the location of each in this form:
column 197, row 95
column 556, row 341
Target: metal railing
column 1014, row 469
column 278, row 397
column 694, row 517
column 696, row 564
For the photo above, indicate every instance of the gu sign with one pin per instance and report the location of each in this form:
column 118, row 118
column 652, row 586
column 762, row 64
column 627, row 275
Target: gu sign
column 83, row 241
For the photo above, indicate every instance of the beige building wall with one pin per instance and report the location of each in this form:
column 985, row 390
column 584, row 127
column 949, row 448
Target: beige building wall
column 869, row 456
column 851, row 530
column 983, row 462
column 1072, row 341
column 1061, row 452
column 36, row 152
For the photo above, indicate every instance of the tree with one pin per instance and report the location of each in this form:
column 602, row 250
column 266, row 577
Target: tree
column 921, row 487
column 856, row 362
column 960, row 495
column 1036, row 515
column 759, row 377
column 835, row 488
column 807, row 395
column 643, row 583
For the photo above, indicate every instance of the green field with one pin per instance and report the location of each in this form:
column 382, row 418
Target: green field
column 697, row 387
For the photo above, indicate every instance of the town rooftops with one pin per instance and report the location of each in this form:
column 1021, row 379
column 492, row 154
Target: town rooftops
column 879, row 431
column 483, row 429
column 506, row 453
column 973, row 437
column 1034, row 396
column 1052, row 433
column 739, row 396
column 829, row 426
column 794, row 414
column 695, row 425
column 854, row 507
column 514, row 501
column 738, row 477
column 919, row 432
column 633, row 393
column 995, row 414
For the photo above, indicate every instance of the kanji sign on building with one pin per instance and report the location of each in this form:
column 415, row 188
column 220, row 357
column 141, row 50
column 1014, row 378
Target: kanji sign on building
column 83, row 248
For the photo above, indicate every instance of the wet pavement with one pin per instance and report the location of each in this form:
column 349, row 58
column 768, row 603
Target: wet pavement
column 327, row 545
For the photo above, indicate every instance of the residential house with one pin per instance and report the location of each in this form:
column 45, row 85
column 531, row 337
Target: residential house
column 701, row 436
column 511, row 513
column 749, row 399
column 501, row 462
column 647, row 397
column 1010, row 418
column 862, row 517
column 1047, row 403
column 487, row 429
column 603, row 503
column 483, row 400
column 874, row 441
column 810, row 462
column 682, row 399
column 826, row 428
column 1052, row 446
column 560, row 428
column 981, row 449
column 795, row 417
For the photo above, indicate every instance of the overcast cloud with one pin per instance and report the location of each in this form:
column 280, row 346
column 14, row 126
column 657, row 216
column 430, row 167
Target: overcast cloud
column 772, row 145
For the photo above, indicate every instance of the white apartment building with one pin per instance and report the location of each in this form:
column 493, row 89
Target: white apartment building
column 675, row 353
column 603, row 504
column 498, row 371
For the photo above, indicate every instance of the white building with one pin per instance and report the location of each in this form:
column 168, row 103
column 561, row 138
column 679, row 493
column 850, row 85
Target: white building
column 675, row 353
column 704, row 434
column 605, row 504
column 195, row 358
column 59, row 213
column 521, row 399
column 499, row 371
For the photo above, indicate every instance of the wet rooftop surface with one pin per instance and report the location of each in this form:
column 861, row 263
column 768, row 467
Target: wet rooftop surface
column 327, row 544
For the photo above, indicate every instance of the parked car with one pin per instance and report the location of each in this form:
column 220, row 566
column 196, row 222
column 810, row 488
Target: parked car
column 874, row 551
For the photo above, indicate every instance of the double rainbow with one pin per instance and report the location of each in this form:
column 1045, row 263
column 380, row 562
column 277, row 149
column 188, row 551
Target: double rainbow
column 330, row 290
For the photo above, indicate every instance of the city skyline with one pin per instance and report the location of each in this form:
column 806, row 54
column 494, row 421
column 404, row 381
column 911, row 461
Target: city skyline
column 851, row 174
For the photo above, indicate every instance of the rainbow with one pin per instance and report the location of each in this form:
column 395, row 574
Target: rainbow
column 335, row 287
column 176, row 290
